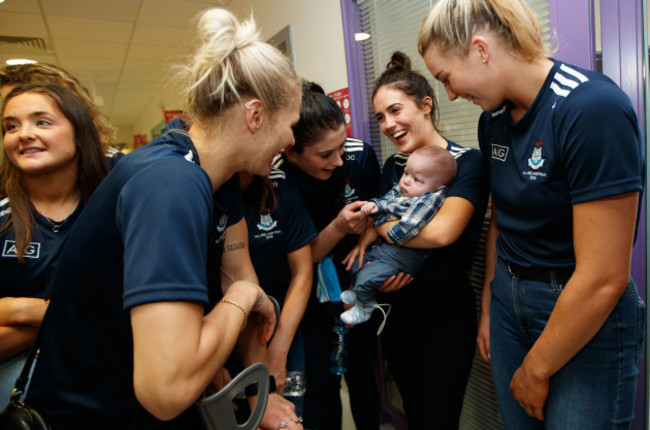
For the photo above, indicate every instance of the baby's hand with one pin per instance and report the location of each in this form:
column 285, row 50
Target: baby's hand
column 369, row 208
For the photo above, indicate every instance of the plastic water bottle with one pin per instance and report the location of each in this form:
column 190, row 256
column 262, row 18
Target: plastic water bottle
column 295, row 384
column 339, row 355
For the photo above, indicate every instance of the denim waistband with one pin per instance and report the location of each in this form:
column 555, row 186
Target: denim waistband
column 543, row 274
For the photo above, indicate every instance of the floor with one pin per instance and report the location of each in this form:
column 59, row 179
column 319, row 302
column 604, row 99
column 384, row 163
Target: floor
column 348, row 422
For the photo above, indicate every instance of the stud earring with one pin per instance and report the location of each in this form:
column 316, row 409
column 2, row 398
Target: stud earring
column 247, row 105
column 484, row 61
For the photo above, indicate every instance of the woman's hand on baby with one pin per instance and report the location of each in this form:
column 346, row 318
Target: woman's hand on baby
column 359, row 251
column 351, row 220
column 396, row 282
column 355, row 254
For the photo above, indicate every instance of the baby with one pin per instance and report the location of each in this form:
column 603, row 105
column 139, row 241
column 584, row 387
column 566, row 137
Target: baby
column 414, row 201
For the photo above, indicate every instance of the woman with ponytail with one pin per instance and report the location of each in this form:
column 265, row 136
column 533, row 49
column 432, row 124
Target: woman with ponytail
column 429, row 339
column 335, row 176
column 562, row 322
column 132, row 338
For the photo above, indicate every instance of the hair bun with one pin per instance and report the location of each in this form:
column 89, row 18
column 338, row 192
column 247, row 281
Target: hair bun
column 399, row 62
column 220, row 26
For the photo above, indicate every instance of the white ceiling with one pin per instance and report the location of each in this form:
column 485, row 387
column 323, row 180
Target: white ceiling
column 119, row 49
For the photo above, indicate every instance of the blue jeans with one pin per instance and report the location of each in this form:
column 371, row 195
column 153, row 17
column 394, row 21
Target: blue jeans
column 385, row 260
column 596, row 388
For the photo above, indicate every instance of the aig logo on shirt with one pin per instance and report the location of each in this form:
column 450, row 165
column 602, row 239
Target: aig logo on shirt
column 32, row 250
column 499, row 152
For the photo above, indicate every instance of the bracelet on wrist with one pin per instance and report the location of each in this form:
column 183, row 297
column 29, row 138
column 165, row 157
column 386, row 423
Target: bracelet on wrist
column 240, row 307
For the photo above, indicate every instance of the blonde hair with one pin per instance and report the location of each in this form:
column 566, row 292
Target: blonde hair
column 231, row 63
column 451, row 24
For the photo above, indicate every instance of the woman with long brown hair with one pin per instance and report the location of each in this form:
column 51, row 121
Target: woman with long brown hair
column 52, row 161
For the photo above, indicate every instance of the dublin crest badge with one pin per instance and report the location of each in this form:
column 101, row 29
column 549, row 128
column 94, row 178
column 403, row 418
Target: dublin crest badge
column 266, row 222
column 536, row 161
column 348, row 191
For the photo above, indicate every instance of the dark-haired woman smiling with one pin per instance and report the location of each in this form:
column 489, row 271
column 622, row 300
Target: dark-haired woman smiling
column 52, row 162
column 430, row 337
column 335, row 175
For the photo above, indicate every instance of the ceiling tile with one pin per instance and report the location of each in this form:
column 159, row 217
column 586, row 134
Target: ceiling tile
column 157, row 76
column 89, row 49
column 22, row 25
column 115, row 10
column 89, row 29
column 120, row 50
column 25, row 6
column 151, row 52
column 142, row 65
column 169, row 12
column 127, row 86
column 90, row 64
column 160, row 35
column 102, row 76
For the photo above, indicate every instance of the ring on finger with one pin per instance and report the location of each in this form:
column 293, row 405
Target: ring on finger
column 282, row 425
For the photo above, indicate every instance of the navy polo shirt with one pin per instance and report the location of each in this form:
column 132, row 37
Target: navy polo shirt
column 275, row 229
column 579, row 141
column 357, row 179
column 145, row 236
column 29, row 279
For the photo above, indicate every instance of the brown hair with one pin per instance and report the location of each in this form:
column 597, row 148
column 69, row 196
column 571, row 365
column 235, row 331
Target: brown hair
column 44, row 74
column 319, row 114
column 398, row 75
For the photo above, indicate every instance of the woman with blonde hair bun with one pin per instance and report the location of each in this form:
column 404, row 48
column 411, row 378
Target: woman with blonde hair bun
column 562, row 322
column 132, row 338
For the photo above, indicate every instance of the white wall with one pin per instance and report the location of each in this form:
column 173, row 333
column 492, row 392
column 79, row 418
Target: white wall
column 317, row 35
column 168, row 97
column 125, row 134
column 317, row 39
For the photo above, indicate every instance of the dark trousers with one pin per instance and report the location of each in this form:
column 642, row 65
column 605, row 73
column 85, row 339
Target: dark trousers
column 429, row 342
column 322, row 409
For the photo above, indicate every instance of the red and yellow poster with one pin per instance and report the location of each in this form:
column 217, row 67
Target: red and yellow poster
column 342, row 98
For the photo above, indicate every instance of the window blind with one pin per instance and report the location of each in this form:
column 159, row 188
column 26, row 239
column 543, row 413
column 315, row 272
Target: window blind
column 394, row 25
